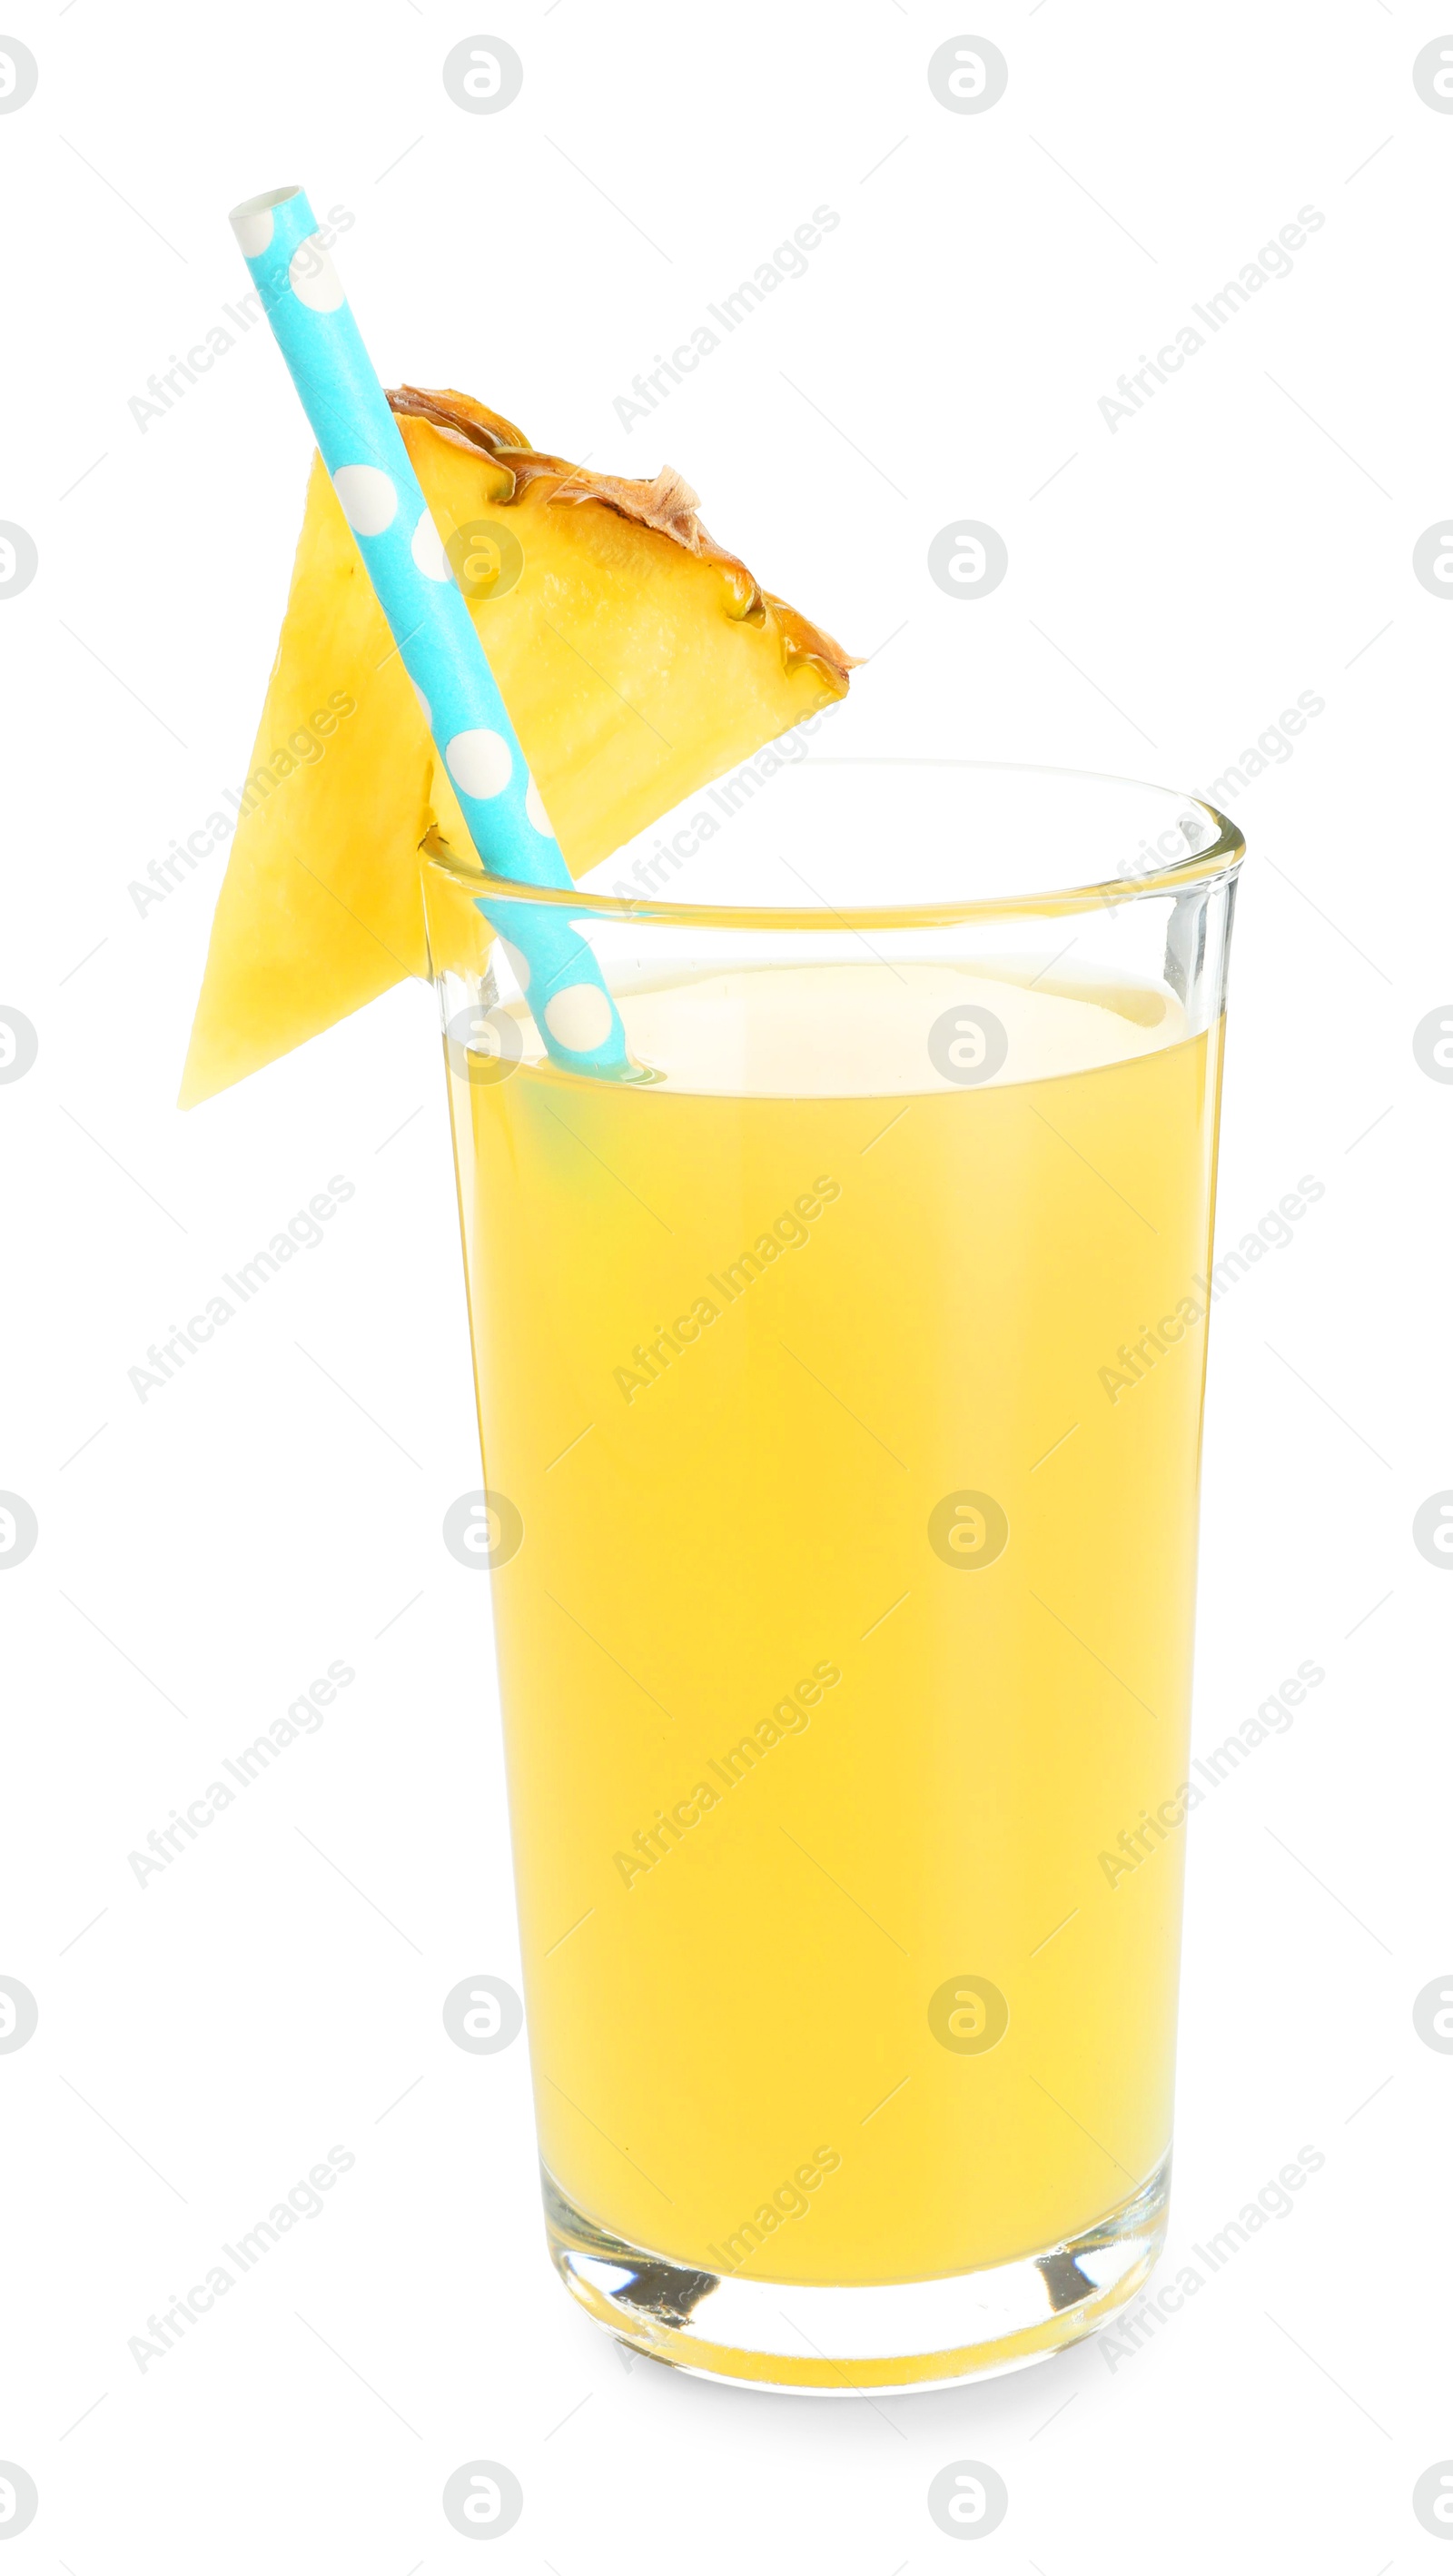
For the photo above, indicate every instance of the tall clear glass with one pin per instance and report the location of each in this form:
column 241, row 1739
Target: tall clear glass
column 840, row 1387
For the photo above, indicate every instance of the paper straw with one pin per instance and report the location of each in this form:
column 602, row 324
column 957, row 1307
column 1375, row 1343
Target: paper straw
column 404, row 558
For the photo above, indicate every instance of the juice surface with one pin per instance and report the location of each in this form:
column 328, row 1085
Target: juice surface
column 850, row 1627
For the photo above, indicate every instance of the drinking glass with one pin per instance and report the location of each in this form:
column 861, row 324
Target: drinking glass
column 840, row 1387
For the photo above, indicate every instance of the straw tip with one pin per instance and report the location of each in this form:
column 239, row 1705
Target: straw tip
column 252, row 220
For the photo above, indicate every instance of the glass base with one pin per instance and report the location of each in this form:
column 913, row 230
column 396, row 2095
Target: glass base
column 895, row 2334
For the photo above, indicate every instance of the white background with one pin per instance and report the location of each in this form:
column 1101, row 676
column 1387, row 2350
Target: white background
column 1173, row 585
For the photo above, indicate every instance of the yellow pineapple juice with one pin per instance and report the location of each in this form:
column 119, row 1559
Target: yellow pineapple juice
column 851, row 1416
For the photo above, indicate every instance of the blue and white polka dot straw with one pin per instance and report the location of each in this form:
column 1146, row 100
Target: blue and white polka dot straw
column 405, row 561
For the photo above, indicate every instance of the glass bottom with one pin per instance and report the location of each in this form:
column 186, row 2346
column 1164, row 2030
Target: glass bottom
column 895, row 2334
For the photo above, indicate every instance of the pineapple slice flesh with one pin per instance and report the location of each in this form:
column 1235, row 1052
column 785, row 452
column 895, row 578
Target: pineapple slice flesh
column 638, row 660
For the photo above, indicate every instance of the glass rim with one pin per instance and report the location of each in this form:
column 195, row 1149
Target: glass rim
column 1203, row 867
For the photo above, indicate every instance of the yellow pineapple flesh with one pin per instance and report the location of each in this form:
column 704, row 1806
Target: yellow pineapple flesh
column 638, row 660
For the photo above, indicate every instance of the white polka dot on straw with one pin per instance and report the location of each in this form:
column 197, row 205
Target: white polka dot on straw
column 313, row 278
column 368, row 497
column 579, row 1018
column 427, row 548
column 479, row 761
column 520, row 966
column 535, row 808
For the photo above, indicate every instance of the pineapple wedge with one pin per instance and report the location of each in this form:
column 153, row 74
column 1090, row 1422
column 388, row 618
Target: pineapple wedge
column 637, row 658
